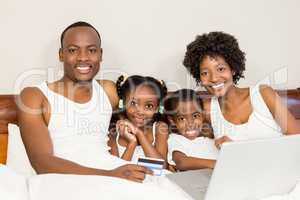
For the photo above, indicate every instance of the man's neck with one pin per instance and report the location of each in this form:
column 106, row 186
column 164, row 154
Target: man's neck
column 80, row 91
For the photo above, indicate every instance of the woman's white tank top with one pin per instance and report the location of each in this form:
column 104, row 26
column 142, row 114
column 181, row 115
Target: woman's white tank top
column 261, row 123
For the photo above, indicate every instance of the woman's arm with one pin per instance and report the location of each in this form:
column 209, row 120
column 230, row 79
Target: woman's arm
column 280, row 112
column 184, row 162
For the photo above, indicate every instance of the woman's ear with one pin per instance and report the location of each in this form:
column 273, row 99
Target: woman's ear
column 233, row 72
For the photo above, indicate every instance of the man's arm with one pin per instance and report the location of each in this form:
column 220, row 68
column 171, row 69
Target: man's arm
column 39, row 148
column 184, row 162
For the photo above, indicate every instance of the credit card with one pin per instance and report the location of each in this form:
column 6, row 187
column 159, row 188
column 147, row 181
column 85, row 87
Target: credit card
column 156, row 165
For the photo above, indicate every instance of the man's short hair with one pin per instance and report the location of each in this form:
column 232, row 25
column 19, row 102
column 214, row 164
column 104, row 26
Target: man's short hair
column 78, row 24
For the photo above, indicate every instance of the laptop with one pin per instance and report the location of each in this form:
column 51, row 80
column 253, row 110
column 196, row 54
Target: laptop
column 247, row 170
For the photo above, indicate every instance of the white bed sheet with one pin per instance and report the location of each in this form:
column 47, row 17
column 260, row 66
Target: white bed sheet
column 78, row 187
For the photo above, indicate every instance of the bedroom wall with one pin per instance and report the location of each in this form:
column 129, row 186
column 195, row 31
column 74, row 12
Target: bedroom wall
column 149, row 38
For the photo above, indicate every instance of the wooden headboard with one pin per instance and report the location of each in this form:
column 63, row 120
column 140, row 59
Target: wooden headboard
column 8, row 113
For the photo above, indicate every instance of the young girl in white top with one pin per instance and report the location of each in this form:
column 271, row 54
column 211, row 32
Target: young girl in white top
column 137, row 131
column 216, row 61
column 188, row 147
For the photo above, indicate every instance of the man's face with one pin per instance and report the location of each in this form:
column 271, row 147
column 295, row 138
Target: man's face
column 81, row 54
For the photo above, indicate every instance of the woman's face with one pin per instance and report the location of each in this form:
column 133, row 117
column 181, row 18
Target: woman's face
column 141, row 105
column 216, row 75
column 188, row 119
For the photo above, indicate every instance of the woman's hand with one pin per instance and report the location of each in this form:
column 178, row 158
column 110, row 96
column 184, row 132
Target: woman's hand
column 221, row 140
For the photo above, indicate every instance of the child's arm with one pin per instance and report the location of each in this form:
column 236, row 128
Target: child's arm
column 123, row 128
column 161, row 139
column 184, row 162
column 112, row 144
column 148, row 149
column 128, row 153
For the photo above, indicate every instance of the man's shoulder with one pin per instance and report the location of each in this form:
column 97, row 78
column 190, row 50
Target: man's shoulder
column 31, row 92
column 31, row 96
column 111, row 91
column 106, row 83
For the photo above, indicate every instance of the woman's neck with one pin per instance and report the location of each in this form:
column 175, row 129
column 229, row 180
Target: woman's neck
column 233, row 97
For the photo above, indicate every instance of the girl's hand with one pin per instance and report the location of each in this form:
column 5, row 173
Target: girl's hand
column 126, row 129
column 131, row 138
column 221, row 140
column 162, row 128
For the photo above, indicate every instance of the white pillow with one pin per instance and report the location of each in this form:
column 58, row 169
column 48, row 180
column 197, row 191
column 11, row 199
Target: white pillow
column 12, row 185
column 17, row 158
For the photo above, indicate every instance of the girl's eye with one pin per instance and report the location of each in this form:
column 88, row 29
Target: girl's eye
column 197, row 115
column 133, row 103
column 203, row 73
column 149, row 107
column 180, row 119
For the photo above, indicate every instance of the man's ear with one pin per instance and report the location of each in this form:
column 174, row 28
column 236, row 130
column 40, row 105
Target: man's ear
column 101, row 52
column 60, row 54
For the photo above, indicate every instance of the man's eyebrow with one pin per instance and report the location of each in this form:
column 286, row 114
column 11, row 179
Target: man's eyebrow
column 93, row 45
column 71, row 45
column 88, row 46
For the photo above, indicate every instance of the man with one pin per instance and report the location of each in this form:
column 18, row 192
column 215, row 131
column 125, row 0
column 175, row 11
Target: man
column 51, row 143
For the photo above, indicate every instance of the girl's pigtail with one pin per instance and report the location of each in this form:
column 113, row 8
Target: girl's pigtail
column 164, row 91
column 119, row 84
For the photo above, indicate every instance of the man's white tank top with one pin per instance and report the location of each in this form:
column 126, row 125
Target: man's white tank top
column 79, row 130
column 261, row 123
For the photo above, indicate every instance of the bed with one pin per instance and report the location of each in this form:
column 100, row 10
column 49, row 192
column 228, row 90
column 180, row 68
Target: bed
column 8, row 113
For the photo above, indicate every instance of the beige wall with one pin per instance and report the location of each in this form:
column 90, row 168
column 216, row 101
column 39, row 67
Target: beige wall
column 149, row 37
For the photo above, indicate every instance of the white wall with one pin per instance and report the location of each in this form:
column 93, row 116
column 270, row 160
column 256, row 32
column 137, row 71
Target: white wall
column 150, row 37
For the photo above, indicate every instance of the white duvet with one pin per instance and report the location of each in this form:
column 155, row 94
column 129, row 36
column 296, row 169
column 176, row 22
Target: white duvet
column 79, row 187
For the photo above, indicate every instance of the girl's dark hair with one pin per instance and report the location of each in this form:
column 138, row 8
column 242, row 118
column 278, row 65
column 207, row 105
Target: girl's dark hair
column 132, row 82
column 215, row 44
column 183, row 95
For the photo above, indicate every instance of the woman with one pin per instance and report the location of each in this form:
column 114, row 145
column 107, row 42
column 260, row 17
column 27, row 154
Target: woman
column 217, row 63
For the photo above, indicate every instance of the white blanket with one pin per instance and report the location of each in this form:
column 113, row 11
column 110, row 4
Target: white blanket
column 77, row 187
column 81, row 187
column 293, row 195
